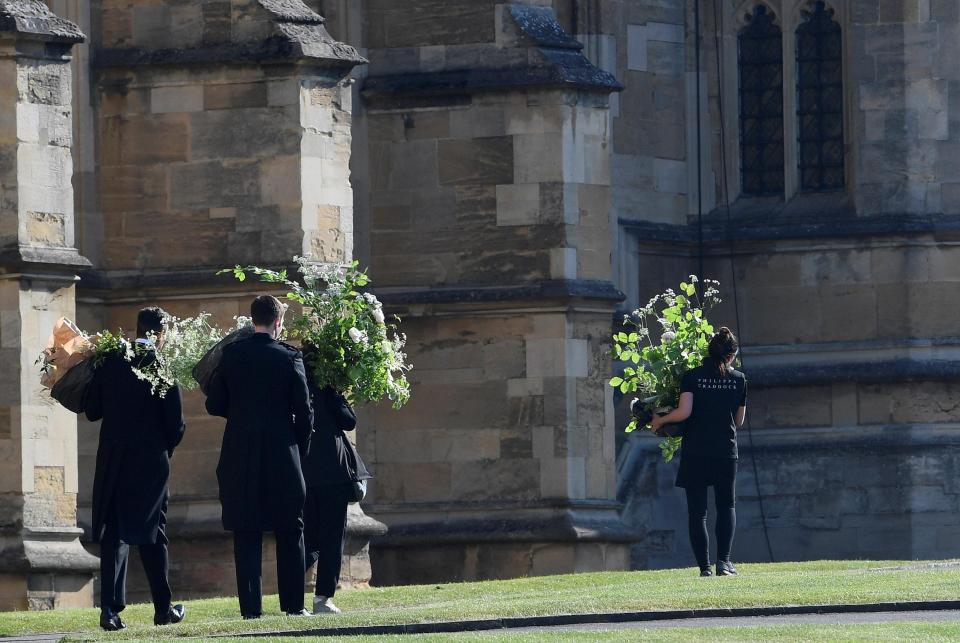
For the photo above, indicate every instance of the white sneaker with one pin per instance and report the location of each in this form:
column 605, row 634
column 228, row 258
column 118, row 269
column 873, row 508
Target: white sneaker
column 323, row 605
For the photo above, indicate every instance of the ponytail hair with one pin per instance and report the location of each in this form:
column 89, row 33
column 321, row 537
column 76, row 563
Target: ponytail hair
column 723, row 346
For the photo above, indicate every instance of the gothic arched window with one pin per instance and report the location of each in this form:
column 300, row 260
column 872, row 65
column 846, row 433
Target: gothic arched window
column 760, row 57
column 820, row 100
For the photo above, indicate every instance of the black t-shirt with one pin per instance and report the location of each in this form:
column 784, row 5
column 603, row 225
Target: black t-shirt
column 711, row 429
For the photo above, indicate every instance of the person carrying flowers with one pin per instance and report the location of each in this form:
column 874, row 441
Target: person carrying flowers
column 713, row 405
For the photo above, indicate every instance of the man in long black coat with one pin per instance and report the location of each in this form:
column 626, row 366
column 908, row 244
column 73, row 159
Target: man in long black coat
column 260, row 387
column 137, row 437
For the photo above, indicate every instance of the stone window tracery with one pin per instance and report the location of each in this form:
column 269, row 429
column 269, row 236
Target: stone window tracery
column 760, row 61
column 820, row 100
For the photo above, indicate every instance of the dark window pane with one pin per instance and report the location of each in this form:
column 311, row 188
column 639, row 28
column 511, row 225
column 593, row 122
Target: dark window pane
column 761, row 104
column 820, row 100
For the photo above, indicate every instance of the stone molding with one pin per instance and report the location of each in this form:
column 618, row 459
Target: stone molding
column 38, row 258
column 717, row 230
column 54, row 550
column 568, row 525
column 555, row 61
column 897, row 438
column 110, row 284
column 901, row 370
column 32, row 19
column 299, row 35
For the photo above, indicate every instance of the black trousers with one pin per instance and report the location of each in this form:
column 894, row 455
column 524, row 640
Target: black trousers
column 324, row 526
column 722, row 476
column 248, row 558
column 113, row 570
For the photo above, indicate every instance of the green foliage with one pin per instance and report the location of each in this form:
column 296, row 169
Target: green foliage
column 108, row 343
column 653, row 369
column 354, row 349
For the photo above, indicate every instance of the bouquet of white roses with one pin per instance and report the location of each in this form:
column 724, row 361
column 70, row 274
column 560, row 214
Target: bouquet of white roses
column 353, row 348
column 654, row 369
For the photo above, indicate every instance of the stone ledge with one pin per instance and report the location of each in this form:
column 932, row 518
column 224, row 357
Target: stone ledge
column 550, row 289
column 281, row 50
column 861, row 438
column 555, row 61
column 902, row 370
column 559, row 75
column 53, row 550
column 716, row 229
column 565, row 526
column 32, row 18
column 40, row 258
column 107, row 283
column 300, row 35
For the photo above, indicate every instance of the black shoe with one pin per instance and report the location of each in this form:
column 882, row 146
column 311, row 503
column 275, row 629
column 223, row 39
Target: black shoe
column 726, row 568
column 301, row 612
column 110, row 621
column 251, row 617
column 706, row 571
column 174, row 615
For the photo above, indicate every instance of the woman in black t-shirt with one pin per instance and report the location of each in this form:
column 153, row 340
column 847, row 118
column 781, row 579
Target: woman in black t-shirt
column 713, row 402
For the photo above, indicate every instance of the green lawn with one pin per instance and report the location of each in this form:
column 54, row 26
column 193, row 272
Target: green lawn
column 776, row 584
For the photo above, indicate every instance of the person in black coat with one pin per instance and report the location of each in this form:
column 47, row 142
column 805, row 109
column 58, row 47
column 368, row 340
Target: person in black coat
column 260, row 387
column 329, row 471
column 137, row 437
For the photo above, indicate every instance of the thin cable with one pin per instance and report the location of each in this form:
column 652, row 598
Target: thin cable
column 696, row 37
column 725, row 196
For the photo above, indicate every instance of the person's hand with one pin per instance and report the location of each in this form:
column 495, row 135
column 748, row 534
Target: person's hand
column 656, row 423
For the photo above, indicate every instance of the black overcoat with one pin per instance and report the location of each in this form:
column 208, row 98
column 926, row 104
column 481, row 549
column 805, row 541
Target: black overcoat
column 261, row 388
column 331, row 459
column 137, row 438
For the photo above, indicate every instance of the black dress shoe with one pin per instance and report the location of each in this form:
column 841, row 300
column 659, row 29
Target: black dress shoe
column 302, row 612
column 251, row 617
column 706, row 571
column 175, row 614
column 110, row 621
column 726, row 568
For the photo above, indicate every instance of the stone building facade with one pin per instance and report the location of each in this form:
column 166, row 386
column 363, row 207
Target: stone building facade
column 516, row 175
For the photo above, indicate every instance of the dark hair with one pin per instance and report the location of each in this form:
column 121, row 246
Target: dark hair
column 723, row 346
column 265, row 310
column 150, row 320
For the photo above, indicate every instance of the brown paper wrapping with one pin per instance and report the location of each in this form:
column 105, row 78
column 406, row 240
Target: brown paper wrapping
column 66, row 348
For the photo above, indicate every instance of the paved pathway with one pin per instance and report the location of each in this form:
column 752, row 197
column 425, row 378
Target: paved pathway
column 919, row 616
column 757, row 621
column 33, row 638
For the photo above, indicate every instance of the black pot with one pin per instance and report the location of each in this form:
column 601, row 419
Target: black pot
column 642, row 416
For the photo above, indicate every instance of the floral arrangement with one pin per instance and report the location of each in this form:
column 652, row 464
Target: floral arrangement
column 654, row 369
column 185, row 341
column 354, row 348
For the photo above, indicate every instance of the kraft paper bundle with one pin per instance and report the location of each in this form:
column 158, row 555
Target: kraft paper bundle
column 66, row 348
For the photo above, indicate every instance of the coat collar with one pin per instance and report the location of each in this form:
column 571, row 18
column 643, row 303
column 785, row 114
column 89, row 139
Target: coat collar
column 263, row 338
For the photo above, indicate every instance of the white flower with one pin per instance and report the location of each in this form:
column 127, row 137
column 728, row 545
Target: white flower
column 356, row 335
column 386, row 347
column 668, row 336
column 378, row 315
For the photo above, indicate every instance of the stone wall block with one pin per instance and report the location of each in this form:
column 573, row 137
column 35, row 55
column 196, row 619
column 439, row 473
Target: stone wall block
column 477, row 161
column 187, row 98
